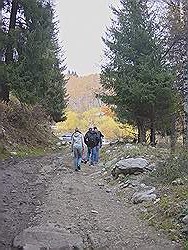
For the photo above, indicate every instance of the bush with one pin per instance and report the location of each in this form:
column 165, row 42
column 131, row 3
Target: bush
column 174, row 167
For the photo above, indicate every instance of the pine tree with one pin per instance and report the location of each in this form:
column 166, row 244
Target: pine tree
column 185, row 69
column 136, row 78
column 34, row 67
column 178, row 54
column 173, row 55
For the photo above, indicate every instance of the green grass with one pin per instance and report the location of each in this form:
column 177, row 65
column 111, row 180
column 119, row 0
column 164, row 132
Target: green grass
column 176, row 166
column 24, row 151
column 4, row 154
column 120, row 150
column 166, row 214
column 186, row 245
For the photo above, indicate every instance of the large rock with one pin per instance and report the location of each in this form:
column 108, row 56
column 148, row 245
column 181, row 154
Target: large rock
column 47, row 237
column 130, row 166
column 185, row 220
column 185, row 231
column 146, row 194
column 177, row 182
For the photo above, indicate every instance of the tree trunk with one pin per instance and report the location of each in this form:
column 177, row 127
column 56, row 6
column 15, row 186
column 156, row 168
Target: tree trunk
column 1, row 58
column 12, row 25
column 4, row 92
column 185, row 132
column 141, row 131
column 185, row 76
column 173, row 134
column 152, row 133
column 1, row 28
column 152, row 127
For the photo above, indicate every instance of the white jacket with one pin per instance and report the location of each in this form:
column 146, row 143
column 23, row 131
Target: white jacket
column 77, row 140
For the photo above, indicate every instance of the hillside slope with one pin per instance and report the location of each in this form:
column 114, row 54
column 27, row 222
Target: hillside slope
column 23, row 127
column 82, row 91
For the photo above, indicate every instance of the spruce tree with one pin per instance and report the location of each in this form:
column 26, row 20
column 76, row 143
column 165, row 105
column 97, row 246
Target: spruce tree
column 135, row 78
column 185, row 70
column 174, row 55
column 177, row 23
column 36, row 72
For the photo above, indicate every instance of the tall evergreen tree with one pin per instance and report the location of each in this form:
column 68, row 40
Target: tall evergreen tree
column 177, row 23
column 185, row 67
column 36, row 74
column 135, row 75
column 175, row 57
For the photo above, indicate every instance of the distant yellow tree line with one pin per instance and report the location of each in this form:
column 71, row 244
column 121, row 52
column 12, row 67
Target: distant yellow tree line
column 103, row 118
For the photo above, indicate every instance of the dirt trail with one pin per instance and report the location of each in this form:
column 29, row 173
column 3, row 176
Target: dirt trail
column 52, row 194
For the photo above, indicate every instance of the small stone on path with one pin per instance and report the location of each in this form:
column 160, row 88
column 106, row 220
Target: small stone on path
column 94, row 212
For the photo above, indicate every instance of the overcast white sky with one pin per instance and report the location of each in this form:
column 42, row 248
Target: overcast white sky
column 82, row 24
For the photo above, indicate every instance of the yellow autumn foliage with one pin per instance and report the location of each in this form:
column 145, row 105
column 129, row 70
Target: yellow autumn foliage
column 96, row 117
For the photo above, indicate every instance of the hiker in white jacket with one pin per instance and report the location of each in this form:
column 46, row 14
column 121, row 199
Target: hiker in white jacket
column 77, row 148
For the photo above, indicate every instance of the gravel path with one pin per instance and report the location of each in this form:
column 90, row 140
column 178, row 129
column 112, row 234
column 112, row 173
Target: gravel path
column 59, row 200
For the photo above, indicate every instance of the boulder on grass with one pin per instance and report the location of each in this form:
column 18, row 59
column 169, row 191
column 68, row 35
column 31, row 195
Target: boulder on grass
column 185, row 220
column 130, row 166
column 144, row 195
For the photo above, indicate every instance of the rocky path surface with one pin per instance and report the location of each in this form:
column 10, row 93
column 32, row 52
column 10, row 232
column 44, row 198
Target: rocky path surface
column 47, row 205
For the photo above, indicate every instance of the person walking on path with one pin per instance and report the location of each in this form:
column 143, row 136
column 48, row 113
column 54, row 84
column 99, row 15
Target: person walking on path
column 99, row 145
column 92, row 140
column 88, row 143
column 77, row 146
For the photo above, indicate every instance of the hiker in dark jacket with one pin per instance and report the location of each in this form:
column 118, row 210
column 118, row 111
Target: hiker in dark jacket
column 87, row 142
column 99, row 145
column 91, row 139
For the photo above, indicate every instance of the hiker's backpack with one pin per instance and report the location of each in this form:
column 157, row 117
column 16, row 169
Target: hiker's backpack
column 92, row 139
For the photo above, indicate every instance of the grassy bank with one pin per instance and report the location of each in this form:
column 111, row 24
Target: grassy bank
column 170, row 178
column 24, row 130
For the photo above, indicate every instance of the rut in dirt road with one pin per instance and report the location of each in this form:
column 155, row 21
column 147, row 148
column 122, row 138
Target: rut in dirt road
column 78, row 211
